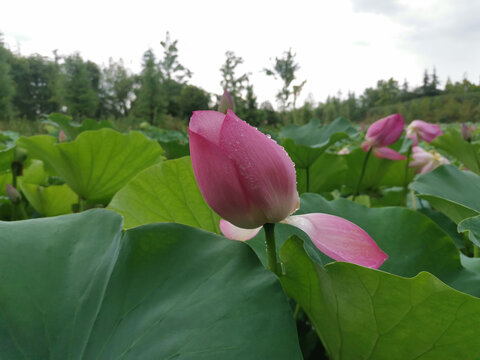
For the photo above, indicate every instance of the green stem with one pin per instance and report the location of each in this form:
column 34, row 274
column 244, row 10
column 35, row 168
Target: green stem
column 271, row 249
column 364, row 166
column 414, row 203
column 81, row 204
column 405, row 180
column 476, row 251
column 297, row 310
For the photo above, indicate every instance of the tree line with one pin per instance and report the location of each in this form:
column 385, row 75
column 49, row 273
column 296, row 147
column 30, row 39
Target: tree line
column 35, row 85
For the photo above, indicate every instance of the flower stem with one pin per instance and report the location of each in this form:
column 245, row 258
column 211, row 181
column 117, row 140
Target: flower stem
column 476, row 251
column 405, row 180
column 271, row 249
column 297, row 310
column 364, row 166
column 81, row 204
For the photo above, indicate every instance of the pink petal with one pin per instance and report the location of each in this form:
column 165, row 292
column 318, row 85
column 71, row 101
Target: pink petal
column 340, row 239
column 385, row 131
column 218, row 180
column 387, row 153
column 265, row 171
column 207, row 124
column 235, row 233
column 366, row 146
column 427, row 132
column 428, row 167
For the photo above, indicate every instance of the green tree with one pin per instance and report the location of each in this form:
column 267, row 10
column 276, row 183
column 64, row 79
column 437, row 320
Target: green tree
column 117, row 85
column 35, row 78
column 151, row 100
column 169, row 65
column 192, row 98
column 284, row 67
column 6, row 84
column 230, row 82
column 81, row 86
column 175, row 75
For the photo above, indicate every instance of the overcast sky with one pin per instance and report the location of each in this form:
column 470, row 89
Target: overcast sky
column 340, row 45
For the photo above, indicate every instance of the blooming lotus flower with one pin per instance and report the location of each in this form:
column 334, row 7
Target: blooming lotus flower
column 249, row 180
column 343, row 151
column 427, row 132
column 425, row 161
column 382, row 133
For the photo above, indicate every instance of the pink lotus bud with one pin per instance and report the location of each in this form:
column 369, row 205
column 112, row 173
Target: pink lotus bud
column 62, row 137
column 427, row 132
column 467, row 132
column 13, row 194
column 385, row 131
column 382, row 133
column 226, row 102
column 245, row 177
column 425, row 161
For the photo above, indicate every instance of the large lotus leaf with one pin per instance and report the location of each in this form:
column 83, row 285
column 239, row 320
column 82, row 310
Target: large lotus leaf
column 165, row 192
column 74, row 288
column 453, row 144
column 4, row 180
column 413, row 242
column 175, row 143
column 7, row 155
column 360, row 313
column 35, row 173
column 472, row 225
column 446, row 224
column 327, row 173
column 72, row 129
column 51, row 200
column 379, row 172
column 98, row 163
column 452, row 191
column 306, row 143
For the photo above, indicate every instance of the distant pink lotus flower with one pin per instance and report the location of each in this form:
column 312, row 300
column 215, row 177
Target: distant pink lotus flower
column 62, row 137
column 13, row 194
column 467, row 132
column 383, row 133
column 249, row 180
column 425, row 161
column 426, row 131
column 343, row 151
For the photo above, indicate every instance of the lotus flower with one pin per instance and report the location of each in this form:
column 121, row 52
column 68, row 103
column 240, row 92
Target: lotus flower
column 425, row 161
column 249, row 180
column 467, row 132
column 382, row 133
column 419, row 128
